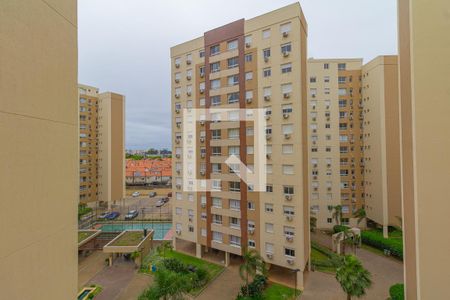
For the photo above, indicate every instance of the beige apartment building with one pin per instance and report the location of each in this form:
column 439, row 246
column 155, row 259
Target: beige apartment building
column 102, row 146
column 381, row 141
column 424, row 44
column 39, row 152
column 335, row 139
column 258, row 63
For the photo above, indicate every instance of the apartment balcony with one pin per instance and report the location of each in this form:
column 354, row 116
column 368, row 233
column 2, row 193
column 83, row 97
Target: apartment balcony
column 227, row 248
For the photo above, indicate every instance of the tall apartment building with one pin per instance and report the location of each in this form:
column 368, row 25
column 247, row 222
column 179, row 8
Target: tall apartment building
column 102, row 146
column 354, row 140
column 335, row 143
column 247, row 64
column 424, row 44
column 39, row 152
column 382, row 141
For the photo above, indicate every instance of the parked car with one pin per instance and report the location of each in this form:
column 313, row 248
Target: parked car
column 152, row 194
column 136, row 194
column 160, row 203
column 112, row 216
column 166, row 199
column 131, row 215
column 104, row 215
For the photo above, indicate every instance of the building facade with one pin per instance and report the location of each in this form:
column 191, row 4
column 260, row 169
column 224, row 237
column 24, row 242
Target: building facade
column 248, row 64
column 335, row 143
column 39, row 155
column 102, row 146
column 424, row 44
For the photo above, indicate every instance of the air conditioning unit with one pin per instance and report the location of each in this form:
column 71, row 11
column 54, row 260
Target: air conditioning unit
column 314, row 142
column 285, row 33
column 178, row 186
column 289, row 238
column 251, row 231
column 286, row 95
column 327, row 107
column 203, row 205
column 202, row 173
column 266, row 58
column 177, row 95
column 285, row 53
column 269, row 255
column 267, row 117
column 202, row 75
column 177, row 141
column 268, row 156
column 313, row 95
column 202, row 91
column 314, row 165
column 316, row 189
column 285, row 115
column 268, row 136
column 177, row 65
column 202, row 155
column 315, row 177
column 188, row 62
column 289, row 217
column 177, row 80
column 314, row 130
column 288, row 197
column 247, row 45
column 202, row 139
column 202, row 122
column 328, row 165
column 177, row 111
column 290, row 261
column 188, row 77
column 266, row 97
column 287, row 136
column 329, row 189
column 178, row 171
column 188, row 93
column 314, row 107
column 249, row 100
column 328, row 118
column 190, row 219
column 178, row 231
column 178, row 125
column 177, row 155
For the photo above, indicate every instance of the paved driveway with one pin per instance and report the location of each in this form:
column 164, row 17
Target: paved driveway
column 224, row 287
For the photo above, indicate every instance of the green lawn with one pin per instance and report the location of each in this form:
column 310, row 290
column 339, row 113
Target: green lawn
column 320, row 260
column 82, row 235
column 129, row 238
column 277, row 291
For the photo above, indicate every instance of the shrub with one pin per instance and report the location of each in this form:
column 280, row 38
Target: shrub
column 339, row 228
column 173, row 264
column 200, row 277
column 375, row 239
column 397, row 291
column 255, row 288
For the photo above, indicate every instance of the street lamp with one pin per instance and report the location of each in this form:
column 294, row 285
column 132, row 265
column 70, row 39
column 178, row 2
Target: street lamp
column 295, row 289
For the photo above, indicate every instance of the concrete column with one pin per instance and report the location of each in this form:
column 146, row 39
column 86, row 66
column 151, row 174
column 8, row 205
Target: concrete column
column 174, row 243
column 198, row 250
column 385, row 231
column 227, row 259
column 300, row 285
column 110, row 259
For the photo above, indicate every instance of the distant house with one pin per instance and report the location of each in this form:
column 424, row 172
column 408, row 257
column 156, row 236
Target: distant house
column 148, row 171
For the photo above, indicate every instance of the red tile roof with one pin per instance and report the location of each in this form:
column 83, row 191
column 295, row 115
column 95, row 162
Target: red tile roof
column 149, row 167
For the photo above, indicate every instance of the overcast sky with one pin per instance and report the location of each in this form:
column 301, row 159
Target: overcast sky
column 124, row 45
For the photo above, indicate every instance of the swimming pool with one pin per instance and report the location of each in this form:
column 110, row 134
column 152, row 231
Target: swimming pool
column 160, row 229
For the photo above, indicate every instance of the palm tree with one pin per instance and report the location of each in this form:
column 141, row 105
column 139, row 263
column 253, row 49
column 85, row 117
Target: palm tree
column 352, row 277
column 347, row 237
column 252, row 264
column 337, row 214
column 360, row 214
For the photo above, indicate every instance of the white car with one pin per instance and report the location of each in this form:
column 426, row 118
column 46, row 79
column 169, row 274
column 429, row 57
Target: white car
column 136, row 194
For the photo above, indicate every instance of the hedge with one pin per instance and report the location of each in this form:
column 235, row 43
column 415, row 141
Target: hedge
column 333, row 257
column 375, row 239
column 397, row 292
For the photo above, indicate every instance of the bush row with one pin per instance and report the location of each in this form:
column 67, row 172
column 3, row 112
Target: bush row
column 397, row 291
column 376, row 240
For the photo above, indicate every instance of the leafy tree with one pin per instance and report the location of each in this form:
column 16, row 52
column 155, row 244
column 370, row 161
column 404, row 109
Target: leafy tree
column 337, row 214
column 312, row 223
column 252, row 264
column 360, row 214
column 352, row 277
column 163, row 247
column 167, row 285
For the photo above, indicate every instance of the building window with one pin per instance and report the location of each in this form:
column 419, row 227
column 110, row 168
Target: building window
column 234, row 186
column 235, row 222
column 266, row 34
column 269, row 227
column 215, row 84
column 342, row 79
column 288, row 169
column 233, row 62
column 248, row 57
column 269, row 188
column 233, row 133
column 233, row 80
column 251, row 243
column 326, row 66
column 215, row 50
column 215, row 67
column 267, row 72
column 286, row 48
column 312, row 79
column 178, row 211
column 235, row 204
column 341, row 67
column 266, row 53
column 232, row 45
column 217, row 236
column 217, row 219
column 233, row 97
column 286, row 68
column 287, row 149
column 235, row 241
column 251, row 205
column 289, row 252
column 268, row 207
column 288, row 190
column 285, row 28
column 248, row 75
column 216, row 134
column 269, row 248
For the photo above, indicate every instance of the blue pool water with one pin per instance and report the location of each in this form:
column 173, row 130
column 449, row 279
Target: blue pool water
column 160, row 229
